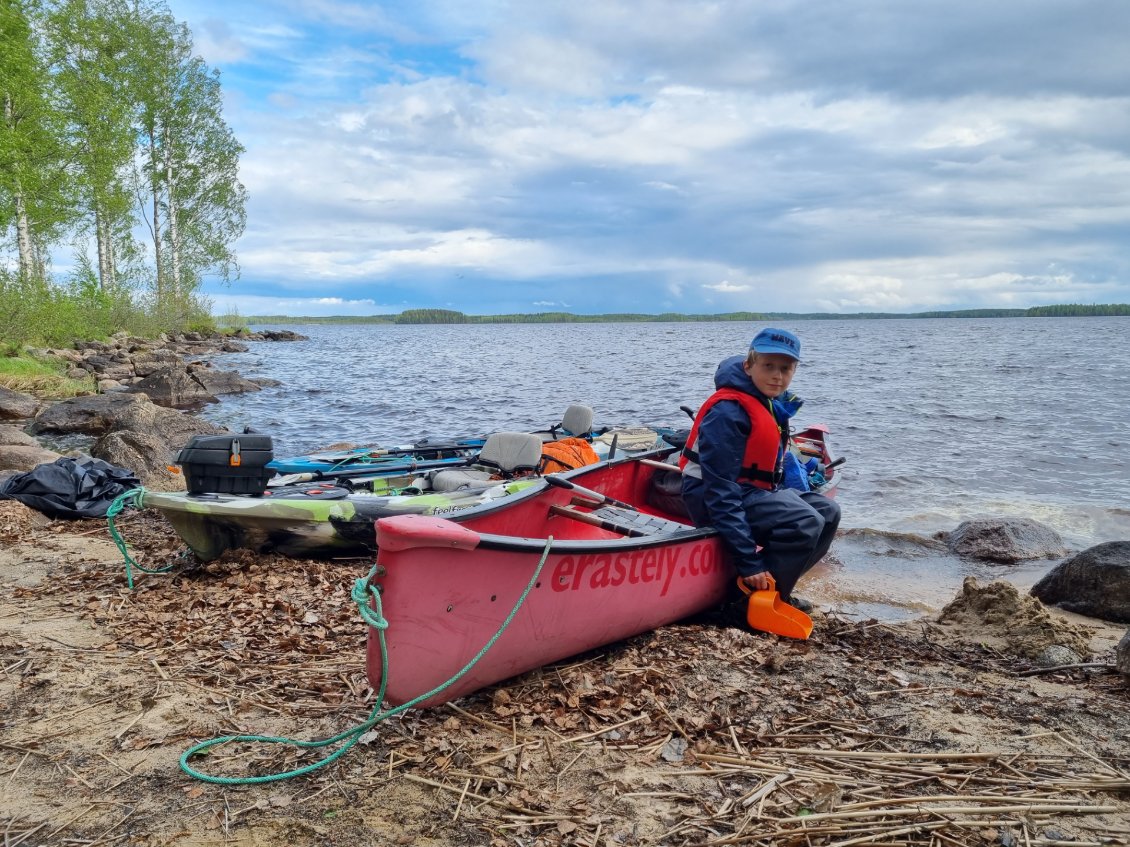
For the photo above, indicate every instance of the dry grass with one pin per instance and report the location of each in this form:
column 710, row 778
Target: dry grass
column 695, row 734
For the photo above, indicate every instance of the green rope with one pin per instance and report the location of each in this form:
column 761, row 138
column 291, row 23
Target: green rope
column 133, row 497
column 363, row 590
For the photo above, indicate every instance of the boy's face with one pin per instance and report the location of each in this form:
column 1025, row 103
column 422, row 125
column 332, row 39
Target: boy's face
column 771, row 372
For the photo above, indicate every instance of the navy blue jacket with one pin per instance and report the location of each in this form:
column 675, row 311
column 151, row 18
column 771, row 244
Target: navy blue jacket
column 718, row 498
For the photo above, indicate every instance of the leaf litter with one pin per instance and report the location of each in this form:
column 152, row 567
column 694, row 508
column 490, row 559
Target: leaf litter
column 696, row 734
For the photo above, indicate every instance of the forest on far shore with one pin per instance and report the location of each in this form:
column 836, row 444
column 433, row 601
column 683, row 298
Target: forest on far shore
column 447, row 316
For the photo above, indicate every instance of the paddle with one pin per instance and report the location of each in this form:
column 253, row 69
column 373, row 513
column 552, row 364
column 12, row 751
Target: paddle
column 604, row 499
column 385, row 452
column 391, row 469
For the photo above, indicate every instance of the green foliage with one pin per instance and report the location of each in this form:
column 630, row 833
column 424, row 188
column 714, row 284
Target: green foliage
column 1079, row 310
column 22, row 372
column 105, row 113
column 431, row 316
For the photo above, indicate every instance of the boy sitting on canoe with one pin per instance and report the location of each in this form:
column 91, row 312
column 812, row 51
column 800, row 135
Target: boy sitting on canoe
column 732, row 470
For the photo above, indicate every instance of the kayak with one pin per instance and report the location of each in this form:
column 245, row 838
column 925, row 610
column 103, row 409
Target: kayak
column 306, row 520
column 333, row 516
column 614, row 561
column 330, row 514
column 576, row 422
column 587, row 558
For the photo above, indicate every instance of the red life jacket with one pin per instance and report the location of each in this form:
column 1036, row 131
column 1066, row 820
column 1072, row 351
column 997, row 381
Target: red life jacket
column 759, row 461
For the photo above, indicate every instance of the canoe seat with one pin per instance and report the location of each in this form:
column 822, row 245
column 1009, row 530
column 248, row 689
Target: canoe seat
column 504, row 455
column 627, row 522
column 643, row 523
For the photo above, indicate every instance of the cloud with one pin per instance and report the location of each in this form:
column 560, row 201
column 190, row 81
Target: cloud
column 864, row 156
column 727, row 287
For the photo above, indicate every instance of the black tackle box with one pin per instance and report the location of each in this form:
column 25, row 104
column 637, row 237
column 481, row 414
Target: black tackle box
column 227, row 464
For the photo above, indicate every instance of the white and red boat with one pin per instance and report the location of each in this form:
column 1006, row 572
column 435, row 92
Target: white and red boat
column 618, row 561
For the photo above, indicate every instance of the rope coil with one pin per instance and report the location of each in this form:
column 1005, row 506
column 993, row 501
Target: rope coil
column 362, row 593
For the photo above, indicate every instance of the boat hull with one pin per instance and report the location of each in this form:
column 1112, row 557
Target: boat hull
column 445, row 598
column 448, row 586
column 303, row 526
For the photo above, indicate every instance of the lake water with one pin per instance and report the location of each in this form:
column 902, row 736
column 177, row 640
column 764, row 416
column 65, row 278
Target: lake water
column 940, row 420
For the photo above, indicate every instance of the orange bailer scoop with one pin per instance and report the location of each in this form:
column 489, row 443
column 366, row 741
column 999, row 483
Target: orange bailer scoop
column 769, row 613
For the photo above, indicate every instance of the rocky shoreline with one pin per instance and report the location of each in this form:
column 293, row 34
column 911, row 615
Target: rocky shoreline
column 140, row 416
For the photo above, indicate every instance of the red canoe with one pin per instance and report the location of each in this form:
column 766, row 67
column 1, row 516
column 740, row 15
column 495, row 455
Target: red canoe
column 612, row 571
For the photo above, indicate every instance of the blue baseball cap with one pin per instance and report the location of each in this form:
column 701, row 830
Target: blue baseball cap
column 771, row 340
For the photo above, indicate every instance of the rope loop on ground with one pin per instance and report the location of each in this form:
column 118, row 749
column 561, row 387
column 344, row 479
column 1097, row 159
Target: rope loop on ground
column 133, row 498
column 363, row 591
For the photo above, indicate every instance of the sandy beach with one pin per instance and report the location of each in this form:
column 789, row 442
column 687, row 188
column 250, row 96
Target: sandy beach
column 917, row 733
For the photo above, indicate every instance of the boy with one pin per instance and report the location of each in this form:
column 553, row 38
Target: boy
column 732, row 469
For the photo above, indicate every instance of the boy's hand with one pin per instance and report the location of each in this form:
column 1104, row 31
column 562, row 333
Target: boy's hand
column 757, row 581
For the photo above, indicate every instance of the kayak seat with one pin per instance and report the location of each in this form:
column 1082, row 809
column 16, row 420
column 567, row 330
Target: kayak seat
column 504, row 455
column 577, row 421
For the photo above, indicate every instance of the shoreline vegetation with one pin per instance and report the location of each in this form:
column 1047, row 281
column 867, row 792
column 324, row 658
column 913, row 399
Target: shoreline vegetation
column 447, row 316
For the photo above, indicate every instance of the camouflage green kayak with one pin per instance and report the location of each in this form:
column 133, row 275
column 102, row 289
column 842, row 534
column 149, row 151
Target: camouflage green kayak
column 312, row 520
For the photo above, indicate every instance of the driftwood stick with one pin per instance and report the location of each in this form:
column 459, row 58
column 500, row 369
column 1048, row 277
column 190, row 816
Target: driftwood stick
column 1056, row 808
column 1035, row 671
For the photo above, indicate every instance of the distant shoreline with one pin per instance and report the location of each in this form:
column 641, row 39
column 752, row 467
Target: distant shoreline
column 445, row 316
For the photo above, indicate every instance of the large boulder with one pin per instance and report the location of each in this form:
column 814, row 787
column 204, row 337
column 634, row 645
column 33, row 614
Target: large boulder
column 148, row 456
column 24, row 457
column 1095, row 583
column 175, row 387
column 16, row 437
column 16, row 406
column 95, row 414
column 221, row 382
column 168, row 425
column 146, row 362
column 1007, row 540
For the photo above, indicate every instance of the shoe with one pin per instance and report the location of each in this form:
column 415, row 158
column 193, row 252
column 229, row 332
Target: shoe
column 799, row 603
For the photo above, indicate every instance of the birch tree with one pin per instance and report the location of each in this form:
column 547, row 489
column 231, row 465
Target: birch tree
column 89, row 45
column 34, row 181
column 191, row 166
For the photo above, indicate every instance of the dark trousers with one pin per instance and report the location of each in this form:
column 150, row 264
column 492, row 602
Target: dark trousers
column 795, row 530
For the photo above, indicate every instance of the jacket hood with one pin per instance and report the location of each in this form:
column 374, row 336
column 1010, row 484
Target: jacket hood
column 731, row 374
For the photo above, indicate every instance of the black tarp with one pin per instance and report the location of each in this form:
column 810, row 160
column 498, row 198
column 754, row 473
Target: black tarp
column 70, row 488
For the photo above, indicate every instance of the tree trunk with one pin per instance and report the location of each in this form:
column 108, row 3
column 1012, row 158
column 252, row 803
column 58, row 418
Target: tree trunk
column 23, row 227
column 28, row 269
column 174, row 231
column 105, row 255
column 154, row 187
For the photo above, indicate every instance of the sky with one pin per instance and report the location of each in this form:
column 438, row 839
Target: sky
column 596, row 156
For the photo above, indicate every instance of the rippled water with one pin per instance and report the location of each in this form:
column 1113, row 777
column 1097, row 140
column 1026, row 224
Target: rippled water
column 940, row 420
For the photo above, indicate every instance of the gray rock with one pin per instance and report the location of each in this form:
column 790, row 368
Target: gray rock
column 15, row 405
column 147, row 455
column 1095, row 583
column 1006, row 540
column 281, row 335
column 1056, row 655
column 168, row 425
column 18, row 457
column 16, row 437
column 1122, row 655
column 174, row 387
column 96, row 414
column 146, row 362
column 221, row 382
